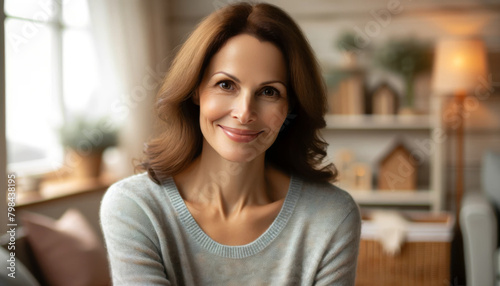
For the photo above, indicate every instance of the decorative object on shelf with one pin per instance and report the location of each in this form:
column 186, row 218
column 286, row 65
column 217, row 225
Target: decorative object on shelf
column 384, row 100
column 346, row 84
column 346, row 91
column 406, row 58
column 352, row 175
column 347, row 44
column 85, row 141
column 397, row 169
column 459, row 69
column 361, row 176
column 343, row 162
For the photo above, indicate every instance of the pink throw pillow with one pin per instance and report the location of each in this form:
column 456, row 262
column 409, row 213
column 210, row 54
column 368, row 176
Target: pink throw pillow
column 67, row 250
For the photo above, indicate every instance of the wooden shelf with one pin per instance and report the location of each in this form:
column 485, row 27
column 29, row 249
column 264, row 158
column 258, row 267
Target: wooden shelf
column 380, row 122
column 57, row 189
column 414, row 198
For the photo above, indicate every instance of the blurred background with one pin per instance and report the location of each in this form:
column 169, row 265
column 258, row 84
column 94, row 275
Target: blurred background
column 413, row 113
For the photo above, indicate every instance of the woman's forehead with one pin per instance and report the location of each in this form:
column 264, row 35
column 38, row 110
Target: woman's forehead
column 246, row 56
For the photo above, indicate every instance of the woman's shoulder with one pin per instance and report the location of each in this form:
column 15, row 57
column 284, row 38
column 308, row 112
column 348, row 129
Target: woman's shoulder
column 134, row 181
column 327, row 200
column 137, row 187
column 329, row 193
column 134, row 205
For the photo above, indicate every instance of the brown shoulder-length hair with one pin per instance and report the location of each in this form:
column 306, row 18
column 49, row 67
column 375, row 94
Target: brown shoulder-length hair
column 298, row 150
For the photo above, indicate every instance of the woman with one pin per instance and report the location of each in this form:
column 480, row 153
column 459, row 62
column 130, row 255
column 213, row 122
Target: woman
column 235, row 193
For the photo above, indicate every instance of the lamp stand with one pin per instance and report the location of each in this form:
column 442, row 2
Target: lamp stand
column 459, row 175
column 457, row 257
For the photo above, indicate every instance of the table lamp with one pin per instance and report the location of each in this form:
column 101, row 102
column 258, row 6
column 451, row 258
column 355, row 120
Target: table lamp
column 459, row 64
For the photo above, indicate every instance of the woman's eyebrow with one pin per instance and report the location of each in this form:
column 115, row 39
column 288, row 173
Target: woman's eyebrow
column 229, row 75
column 273, row 81
column 238, row 81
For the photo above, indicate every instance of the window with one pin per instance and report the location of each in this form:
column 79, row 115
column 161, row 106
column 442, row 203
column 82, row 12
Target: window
column 51, row 74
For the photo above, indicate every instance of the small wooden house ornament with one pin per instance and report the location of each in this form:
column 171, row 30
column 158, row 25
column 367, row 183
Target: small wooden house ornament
column 384, row 100
column 397, row 170
column 346, row 93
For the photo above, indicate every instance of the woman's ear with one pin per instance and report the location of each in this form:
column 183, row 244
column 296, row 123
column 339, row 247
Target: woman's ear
column 196, row 97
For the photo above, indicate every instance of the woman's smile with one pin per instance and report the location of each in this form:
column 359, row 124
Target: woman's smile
column 240, row 135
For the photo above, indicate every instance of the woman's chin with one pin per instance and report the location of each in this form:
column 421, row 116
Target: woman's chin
column 235, row 152
column 239, row 156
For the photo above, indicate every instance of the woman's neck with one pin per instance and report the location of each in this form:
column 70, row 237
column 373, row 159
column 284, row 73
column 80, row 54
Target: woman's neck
column 228, row 186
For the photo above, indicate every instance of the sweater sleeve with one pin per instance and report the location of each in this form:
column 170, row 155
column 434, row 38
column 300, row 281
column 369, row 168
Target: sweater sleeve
column 338, row 266
column 131, row 241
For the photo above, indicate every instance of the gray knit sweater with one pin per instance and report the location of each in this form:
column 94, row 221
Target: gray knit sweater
column 152, row 239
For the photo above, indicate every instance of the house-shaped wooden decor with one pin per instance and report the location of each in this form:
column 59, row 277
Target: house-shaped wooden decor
column 384, row 100
column 397, row 170
column 346, row 93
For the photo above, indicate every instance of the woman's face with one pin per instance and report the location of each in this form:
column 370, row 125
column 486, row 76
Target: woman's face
column 243, row 98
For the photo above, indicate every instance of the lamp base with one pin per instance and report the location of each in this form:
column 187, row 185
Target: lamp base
column 457, row 260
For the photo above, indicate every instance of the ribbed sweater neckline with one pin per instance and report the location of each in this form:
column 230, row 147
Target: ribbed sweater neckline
column 239, row 251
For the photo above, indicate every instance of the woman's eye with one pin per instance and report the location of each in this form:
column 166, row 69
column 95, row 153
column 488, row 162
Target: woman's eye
column 270, row 91
column 225, row 85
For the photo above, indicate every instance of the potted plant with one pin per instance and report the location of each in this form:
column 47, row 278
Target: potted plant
column 406, row 58
column 348, row 45
column 85, row 141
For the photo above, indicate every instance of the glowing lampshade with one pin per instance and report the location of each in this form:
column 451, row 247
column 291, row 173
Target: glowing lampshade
column 458, row 66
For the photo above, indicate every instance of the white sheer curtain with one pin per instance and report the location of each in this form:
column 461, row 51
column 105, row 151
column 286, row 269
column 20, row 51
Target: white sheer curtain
column 132, row 40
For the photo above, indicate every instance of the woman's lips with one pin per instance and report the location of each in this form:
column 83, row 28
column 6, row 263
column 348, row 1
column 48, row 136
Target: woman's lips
column 240, row 135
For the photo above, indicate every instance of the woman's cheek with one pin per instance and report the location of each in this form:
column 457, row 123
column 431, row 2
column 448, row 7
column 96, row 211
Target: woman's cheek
column 276, row 118
column 213, row 107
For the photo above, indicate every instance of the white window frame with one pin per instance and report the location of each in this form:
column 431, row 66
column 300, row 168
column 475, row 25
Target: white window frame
column 43, row 166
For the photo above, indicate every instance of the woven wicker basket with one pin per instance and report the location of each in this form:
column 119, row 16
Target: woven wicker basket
column 424, row 258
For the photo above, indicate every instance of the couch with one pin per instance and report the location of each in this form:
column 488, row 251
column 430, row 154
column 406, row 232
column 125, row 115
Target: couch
column 66, row 252
column 479, row 218
column 27, row 272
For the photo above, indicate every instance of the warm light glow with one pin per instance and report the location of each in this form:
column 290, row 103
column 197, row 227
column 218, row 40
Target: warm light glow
column 458, row 66
column 360, row 171
column 458, row 62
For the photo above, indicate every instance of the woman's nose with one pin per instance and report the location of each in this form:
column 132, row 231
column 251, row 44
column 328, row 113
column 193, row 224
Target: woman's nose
column 243, row 109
